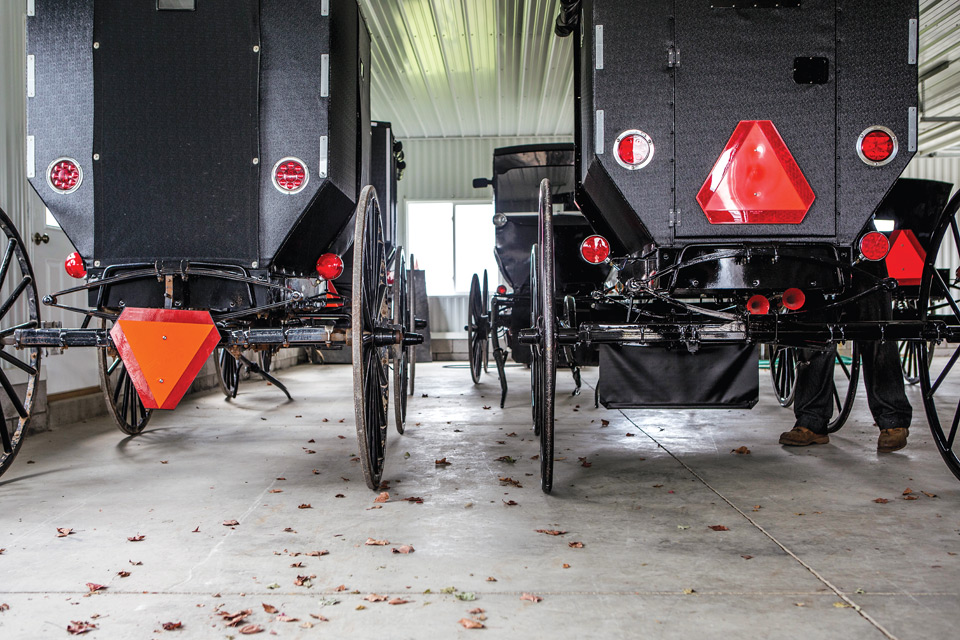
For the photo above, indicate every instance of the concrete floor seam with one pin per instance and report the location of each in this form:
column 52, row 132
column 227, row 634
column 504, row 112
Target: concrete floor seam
column 840, row 594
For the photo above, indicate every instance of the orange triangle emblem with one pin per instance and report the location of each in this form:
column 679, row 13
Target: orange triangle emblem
column 163, row 350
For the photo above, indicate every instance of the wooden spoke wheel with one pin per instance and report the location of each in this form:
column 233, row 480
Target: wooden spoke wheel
column 20, row 368
column 121, row 396
column 228, row 372
column 846, row 378
column 910, row 359
column 783, row 370
column 478, row 327
column 940, row 301
column 370, row 318
column 401, row 354
column 412, row 354
column 545, row 352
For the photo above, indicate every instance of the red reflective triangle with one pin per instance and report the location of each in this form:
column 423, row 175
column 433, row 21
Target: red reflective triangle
column 756, row 180
column 905, row 258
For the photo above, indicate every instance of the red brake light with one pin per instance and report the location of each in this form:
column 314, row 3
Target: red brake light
column 595, row 249
column 794, row 299
column 758, row 305
column 290, row 176
column 756, row 180
column 329, row 266
column 874, row 246
column 501, row 290
column 74, row 266
column 634, row 149
column 64, row 175
column 877, row 146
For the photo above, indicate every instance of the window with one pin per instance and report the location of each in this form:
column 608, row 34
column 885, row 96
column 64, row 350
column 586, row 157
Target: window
column 452, row 241
column 50, row 220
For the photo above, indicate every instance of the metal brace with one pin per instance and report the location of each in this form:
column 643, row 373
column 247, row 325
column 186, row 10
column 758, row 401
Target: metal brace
column 673, row 57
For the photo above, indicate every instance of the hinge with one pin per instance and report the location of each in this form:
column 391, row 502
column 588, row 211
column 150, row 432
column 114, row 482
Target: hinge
column 673, row 57
column 674, row 218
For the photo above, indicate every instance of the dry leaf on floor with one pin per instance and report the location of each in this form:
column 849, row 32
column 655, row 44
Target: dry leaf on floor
column 413, row 500
column 251, row 629
column 911, row 497
column 172, row 626
column 575, row 545
column 509, row 503
column 305, row 506
column 383, row 497
column 320, row 618
column 342, row 587
column 230, row 523
column 475, row 612
column 506, row 481
column 747, row 557
column 289, row 530
column 123, row 574
column 719, row 527
column 77, row 627
column 566, row 566
column 740, row 451
column 491, row 579
column 907, row 491
column 511, row 435
column 398, row 601
column 507, row 459
column 376, row 543
column 551, row 532
column 373, row 597
column 841, row 605
column 881, row 501
column 302, row 581
column 486, row 408
column 339, row 495
column 442, row 462
column 269, row 608
column 530, row 597
column 309, row 451
column 285, row 618
column 234, row 619
column 197, row 530
column 136, row 564
column 929, row 495
column 276, row 490
column 296, row 565
column 317, row 554
column 405, row 549
column 471, row 624
column 94, row 587
column 631, row 435
column 584, row 463
column 136, row 538
column 604, row 423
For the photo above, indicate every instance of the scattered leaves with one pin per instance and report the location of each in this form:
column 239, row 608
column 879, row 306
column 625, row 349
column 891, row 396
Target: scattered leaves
column 740, row 451
column 94, row 587
column 63, row 533
column 383, row 497
column 841, row 605
column 172, row 626
column 317, row 554
column 747, row 557
column 305, row 506
column 269, row 608
column 396, row 601
column 77, row 627
column 442, row 462
column 584, row 463
column 136, row 538
column 929, row 495
column 123, row 574
column 251, row 629
column 376, row 543
column 551, row 532
column 486, row 408
column 719, row 527
column 413, row 500
column 234, row 619
column 285, row 618
column 230, row 523
column 469, row 623
column 510, row 503
column 507, row 459
column 302, row 581
column 575, row 545
column 405, row 549
column 339, row 495
column 604, row 423
column 276, row 490
column 466, row 596
column 881, row 501
column 911, row 497
column 506, row 481
column 530, row 597
column 373, row 597
column 907, row 491
column 491, row 579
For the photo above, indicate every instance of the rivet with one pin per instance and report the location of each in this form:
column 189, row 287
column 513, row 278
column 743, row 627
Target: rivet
column 96, row 156
column 164, row 337
column 255, row 265
column 161, row 380
column 256, row 161
column 96, row 263
column 96, row 45
column 256, row 48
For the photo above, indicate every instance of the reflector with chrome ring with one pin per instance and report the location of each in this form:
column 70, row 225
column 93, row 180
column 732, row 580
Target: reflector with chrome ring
column 290, row 176
column 874, row 246
column 877, row 146
column 595, row 249
column 64, row 175
column 633, row 149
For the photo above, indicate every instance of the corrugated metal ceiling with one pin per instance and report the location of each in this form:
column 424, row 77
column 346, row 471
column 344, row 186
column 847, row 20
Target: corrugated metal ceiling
column 479, row 68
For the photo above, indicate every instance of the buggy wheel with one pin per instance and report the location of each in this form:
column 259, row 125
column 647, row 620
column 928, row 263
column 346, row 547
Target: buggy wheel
column 844, row 388
column 546, row 323
column 265, row 359
column 486, row 315
column 569, row 321
column 783, row 370
column 412, row 355
column 401, row 353
column 371, row 321
column 477, row 333
column 121, row 396
column 940, row 301
column 535, row 314
column 499, row 354
column 20, row 310
column 228, row 372
column 910, row 359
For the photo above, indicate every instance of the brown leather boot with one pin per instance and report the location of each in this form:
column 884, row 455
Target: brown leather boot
column 802, row 437
column 892, row 439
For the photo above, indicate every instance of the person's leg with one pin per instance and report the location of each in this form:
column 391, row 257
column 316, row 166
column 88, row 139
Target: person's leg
column 883, row 381
column 813, row 400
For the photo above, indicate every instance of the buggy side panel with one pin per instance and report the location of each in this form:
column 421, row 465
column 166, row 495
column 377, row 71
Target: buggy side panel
column 383, row 176
column 177, row 137
column 60, row 110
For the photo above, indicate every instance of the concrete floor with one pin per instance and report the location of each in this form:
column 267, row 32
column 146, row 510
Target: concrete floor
column 808, row 552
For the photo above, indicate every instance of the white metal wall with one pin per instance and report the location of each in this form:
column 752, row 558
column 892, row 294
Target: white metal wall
column 946, row 170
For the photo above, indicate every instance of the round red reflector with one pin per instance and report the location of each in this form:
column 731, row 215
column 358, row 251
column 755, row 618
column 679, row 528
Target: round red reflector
column 794, row 299
column 634, row 149
column 329, row 266
column 877, row 146
column 74, row 266
column 758, row 305
column 290, row 176
column 874, row 246
column 64, row 175
column 595, row 249
column 501, row 290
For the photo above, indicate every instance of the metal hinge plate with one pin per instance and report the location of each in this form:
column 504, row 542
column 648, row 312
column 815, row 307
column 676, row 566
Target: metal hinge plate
column 673, row 57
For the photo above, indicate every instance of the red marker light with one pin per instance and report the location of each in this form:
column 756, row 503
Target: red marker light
column 290, row 176
column 501, row 290
column 874, row 246
column 595, row 249
column 634, row 150
column 74, row 266
column 758, row 305
column 794, row 299
column 329, row 266
column 64, row 175
column 877, row 146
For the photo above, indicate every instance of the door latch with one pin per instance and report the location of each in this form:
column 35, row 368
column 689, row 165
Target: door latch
column 40, row 239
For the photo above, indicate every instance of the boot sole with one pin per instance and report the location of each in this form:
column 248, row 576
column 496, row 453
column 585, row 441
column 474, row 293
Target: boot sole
column 891, row 449
column 787, row 443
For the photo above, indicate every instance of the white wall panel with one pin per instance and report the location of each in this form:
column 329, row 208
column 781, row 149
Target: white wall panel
column 945, row 170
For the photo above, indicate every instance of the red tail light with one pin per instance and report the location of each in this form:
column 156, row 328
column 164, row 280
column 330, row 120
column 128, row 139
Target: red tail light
column 74, row 266
column 874, row 246
column 329, row 266
column 290, row 176
column 64, row 175
column 756, row 180
column 634, row 150
column 501, row 290
column 794, row 299
column 758, row 305
column 877, row 146
column 595, row 249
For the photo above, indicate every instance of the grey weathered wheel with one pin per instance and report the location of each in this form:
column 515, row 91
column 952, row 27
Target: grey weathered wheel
column 20, row 310
column 401, row 353
column 370, row 319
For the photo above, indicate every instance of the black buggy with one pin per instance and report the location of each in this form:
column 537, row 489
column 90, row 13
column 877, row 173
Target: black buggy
column 211, row 163
column 499, row 319
column 736, row 157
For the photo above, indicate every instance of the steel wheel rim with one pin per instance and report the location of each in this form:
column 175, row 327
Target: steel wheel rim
column 548, row 328
column 125, row 405
column 228, row 372
column 475, row 330
column 843, row 398
column 401, row 366
column 783, row 371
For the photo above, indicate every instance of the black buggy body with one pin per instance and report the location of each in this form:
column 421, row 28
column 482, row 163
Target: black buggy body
column 735, row 156
column 210, row 161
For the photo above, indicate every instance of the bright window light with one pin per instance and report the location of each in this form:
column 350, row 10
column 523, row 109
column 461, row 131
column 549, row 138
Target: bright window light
column 475, row 239
column 430, row 234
